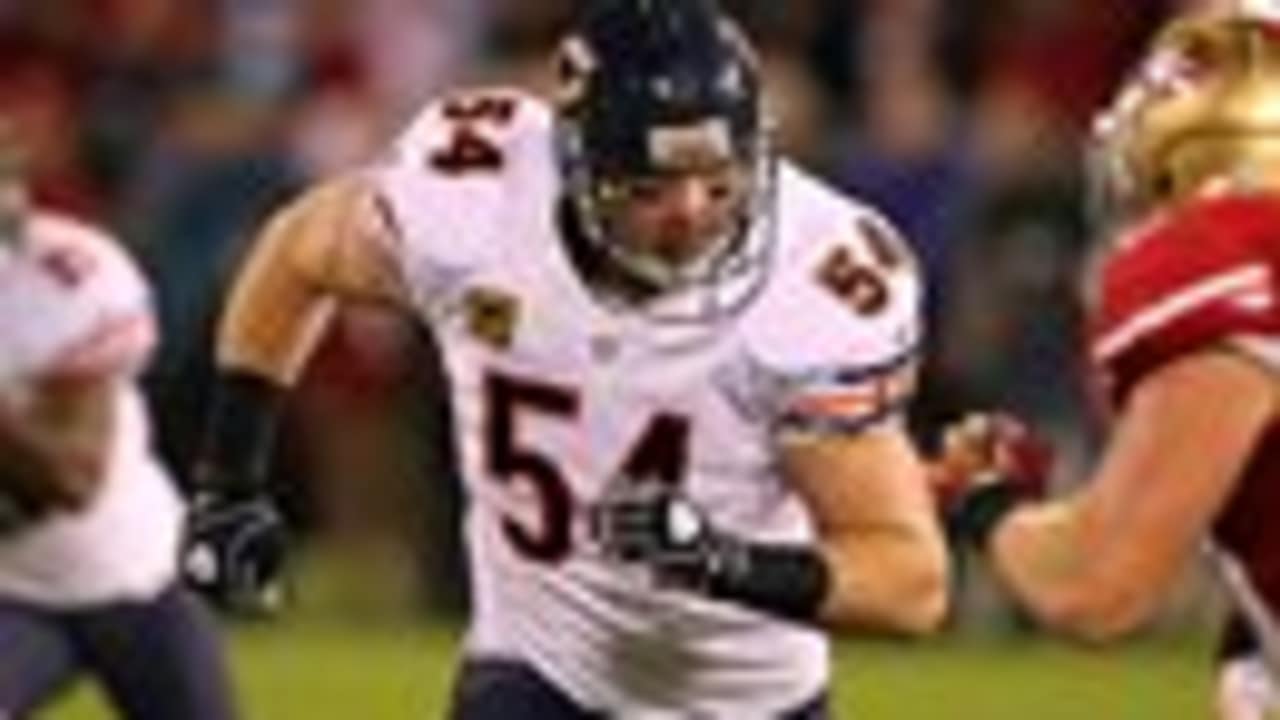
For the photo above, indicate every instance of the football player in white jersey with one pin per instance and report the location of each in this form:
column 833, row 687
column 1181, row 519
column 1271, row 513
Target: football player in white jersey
column 90, row 525
column 677, row 367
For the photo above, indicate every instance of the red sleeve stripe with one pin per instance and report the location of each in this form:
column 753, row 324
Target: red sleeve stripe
column 116, row 344
column 1247, row 287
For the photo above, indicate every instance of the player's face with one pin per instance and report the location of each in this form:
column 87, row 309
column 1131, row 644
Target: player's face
column 677, row 218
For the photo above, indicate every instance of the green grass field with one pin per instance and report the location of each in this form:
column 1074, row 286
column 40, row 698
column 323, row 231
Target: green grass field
column 304, row 672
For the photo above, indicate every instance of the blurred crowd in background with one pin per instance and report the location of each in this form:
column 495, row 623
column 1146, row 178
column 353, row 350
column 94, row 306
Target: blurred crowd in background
column 181, row 123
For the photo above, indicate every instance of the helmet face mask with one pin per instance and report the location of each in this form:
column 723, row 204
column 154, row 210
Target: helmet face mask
column 668, row 228
column 662, row 142
column 1202, row 112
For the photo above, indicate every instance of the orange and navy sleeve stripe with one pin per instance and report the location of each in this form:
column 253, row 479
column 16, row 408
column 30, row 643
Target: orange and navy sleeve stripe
column 848, row 400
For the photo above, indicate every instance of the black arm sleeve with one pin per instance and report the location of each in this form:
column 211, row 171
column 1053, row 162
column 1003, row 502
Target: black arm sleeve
column 981, row 511
column 787, row 581
column 240, row 435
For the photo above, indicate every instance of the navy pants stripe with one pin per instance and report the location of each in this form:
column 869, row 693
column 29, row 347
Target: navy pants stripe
column 508, row 690
column 158, row 660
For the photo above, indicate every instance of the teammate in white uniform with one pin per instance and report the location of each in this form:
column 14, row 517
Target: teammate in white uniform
column 677, row 368
column 89, row 522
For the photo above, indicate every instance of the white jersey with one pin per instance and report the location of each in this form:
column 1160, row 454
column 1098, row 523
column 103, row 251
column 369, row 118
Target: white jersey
column 556, row 393
column 72, row 303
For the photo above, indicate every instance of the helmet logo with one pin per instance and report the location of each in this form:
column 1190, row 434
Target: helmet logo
column 690, row 146
column 574, row 65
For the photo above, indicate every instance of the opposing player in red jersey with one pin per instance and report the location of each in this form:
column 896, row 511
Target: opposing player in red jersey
column 1186, row 340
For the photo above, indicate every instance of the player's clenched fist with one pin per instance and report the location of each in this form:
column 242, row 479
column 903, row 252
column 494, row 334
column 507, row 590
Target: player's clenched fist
column 989, row 462
column 235, row 553
column 649, row 523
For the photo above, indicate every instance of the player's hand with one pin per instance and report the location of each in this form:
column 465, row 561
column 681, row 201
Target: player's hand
column 988, row 461
column 983, row 448
column 651, row 524
column 235, row 553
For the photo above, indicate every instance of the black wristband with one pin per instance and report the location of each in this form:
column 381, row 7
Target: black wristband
column 240, row 434
column 787, row 581
column 981, row 511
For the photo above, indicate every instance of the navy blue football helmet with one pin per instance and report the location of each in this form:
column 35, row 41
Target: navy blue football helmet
column 647, row 88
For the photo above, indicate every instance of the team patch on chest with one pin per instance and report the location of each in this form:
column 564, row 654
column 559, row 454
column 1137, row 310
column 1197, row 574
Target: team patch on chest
column 492, row 316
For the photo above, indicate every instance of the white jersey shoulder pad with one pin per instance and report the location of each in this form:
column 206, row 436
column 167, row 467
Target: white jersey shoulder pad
column 838, row 330
column 471, row 166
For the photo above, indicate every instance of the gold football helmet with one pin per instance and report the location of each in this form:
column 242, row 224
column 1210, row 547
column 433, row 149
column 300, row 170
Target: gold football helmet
column 1202, row 110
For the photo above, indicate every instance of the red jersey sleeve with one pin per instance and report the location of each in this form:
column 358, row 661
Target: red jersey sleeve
column 1203, row 274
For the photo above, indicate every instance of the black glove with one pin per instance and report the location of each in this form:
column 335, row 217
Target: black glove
column 237, row 541
column 651, row 524
column 235, row 553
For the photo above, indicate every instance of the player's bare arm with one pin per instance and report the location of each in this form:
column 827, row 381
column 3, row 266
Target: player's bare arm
column 1097, row 563
column 877, row 534
column 329, row 244
column 879, row 561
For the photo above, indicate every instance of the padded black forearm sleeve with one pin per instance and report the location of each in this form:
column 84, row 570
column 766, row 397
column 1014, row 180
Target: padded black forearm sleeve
column 241, row 433
column 787, row 581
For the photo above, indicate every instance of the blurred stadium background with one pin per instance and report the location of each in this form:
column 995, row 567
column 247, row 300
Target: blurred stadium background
column 180, row 123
